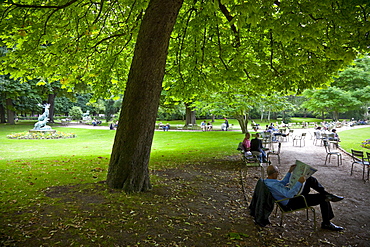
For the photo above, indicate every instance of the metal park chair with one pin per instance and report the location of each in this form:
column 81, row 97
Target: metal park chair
column 358, row 158
column 329, row 153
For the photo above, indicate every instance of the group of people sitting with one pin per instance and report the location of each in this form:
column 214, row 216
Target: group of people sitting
column 164, row 127
column 96, row 122
column 275, row 132
column 255, row 145
column 206, row 126
column 331, row 135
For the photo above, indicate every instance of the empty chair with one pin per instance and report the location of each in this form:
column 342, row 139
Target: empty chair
column 267, row 139
column 329, row 153
column 277, row 153
column 290, row 134
column 300, row 139
column 358, row 158
column 317, row 138
column 283, row 135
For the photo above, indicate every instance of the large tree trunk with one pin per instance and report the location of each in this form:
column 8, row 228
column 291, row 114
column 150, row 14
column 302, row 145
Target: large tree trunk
column 243, row 122
column 335, row 115
column 2, row 113
column 51, row 101
column 128, row 167
column 10, row 111
column 190, row 116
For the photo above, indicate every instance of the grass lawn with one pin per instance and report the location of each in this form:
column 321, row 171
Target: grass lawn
column 351, row 139
column 28, row 166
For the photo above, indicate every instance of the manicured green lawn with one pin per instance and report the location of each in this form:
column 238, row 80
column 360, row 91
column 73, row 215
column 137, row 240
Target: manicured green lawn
column 351, row 139
column 28, row 166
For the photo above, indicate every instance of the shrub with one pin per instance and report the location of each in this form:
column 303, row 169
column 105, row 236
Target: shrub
column 75, row 113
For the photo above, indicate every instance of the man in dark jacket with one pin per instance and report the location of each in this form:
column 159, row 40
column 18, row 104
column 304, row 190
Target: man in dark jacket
column 256, row 145
column 262, row 204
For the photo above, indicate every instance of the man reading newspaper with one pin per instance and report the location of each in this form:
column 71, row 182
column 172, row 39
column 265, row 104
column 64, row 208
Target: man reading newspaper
column 302, row 182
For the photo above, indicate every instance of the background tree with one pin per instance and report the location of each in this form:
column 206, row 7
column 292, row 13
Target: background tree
column 355, row 78
column 328, row 100
column 10, row 91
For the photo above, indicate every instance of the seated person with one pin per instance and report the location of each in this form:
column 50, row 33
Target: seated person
column 256, row 145
column 255, row 125
column 166, row 127
column 203, row 125
column 336, row 137
column 279, row 191
column 209, row 126
column 247, row 142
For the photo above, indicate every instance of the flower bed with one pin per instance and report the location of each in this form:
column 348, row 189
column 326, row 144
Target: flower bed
column 366, row 143
column 40, row 135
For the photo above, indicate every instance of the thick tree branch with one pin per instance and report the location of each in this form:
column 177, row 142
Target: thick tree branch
column 220, row 48
column 272, row 53
column 228, row 16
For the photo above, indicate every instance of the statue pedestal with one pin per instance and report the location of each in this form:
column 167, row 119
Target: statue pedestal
column 42, row 131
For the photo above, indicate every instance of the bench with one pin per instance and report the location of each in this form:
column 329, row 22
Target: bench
column 65, row 122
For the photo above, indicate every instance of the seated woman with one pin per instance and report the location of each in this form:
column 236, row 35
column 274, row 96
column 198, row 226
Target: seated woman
column 247, row 142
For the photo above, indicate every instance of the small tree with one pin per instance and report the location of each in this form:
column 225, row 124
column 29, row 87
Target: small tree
column 75, row 113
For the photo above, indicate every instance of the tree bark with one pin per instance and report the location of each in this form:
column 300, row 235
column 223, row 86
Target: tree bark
column 128, row 167
column 190, row 116
column 10, row 112
column 51, row 101
column 2, row 113
column 243, row 122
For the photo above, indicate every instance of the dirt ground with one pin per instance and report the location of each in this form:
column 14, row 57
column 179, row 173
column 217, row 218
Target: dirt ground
column 198, row 205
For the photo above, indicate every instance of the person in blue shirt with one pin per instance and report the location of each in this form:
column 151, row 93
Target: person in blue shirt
column 279, row 190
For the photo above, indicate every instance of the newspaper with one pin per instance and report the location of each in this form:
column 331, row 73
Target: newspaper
column 300, row 170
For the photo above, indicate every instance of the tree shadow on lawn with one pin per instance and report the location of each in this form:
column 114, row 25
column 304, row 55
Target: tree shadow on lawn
column 192, row 205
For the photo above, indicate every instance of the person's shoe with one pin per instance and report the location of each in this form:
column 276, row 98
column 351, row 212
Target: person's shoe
column 333, row 198
column 331, row 227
